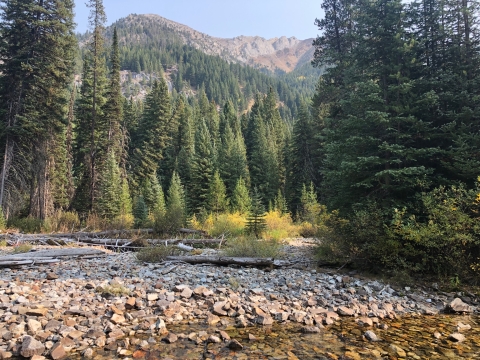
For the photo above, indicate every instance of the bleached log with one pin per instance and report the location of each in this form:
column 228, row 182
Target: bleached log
column 189, row 241
column 225, row 260
column 185, row 247
column 56, row 253
column 5, row 264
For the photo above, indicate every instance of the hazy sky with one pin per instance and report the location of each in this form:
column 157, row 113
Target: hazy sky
column 221, row 18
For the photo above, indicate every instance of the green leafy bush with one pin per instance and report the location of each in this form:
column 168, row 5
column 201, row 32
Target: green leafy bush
column 440, row 236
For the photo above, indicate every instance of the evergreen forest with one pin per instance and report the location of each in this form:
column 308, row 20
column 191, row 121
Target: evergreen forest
column 373, row 148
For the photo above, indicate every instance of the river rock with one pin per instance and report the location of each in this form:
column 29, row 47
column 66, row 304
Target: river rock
column 214, row 339
column 310, row 330
column 264, row 320
column 212, row 319
column 398, row 351
column 345, row 311
column 458, row 306
column 235, row 345
column 371, row 336
column 58, row 351
column 457, row 337
column 33, row 326
column 170, row 338
column 31, row 347
column 463, row 327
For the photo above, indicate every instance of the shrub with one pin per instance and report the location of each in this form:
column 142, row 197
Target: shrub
column 154, row 254
column 444, row 238
column 95, row 222
column 249, row 246
column 122, row 222
column 307, row 230
column 3, row 222
column 279, row 226
column 26, row 225
column 62, row 221
column 228, row 224
column 440, row 236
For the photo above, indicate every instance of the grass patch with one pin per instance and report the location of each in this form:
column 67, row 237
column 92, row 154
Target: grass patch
column 20, row 249
column 154, row 254
column 3, row 243
column 252, row 247
column 113, row 290
column 234, row 283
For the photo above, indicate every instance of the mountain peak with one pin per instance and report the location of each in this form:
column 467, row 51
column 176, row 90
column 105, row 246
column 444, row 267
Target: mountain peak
column 279, row 53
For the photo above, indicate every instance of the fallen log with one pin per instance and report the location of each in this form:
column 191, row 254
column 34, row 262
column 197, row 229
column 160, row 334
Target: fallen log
column 184, row 247
column 191, row 231
column 55, row 253
column 225, row 260
column 77, row 235
column 188, row 241
column 5, row 264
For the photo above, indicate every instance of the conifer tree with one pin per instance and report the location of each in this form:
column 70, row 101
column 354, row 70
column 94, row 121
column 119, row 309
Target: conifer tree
column 36, row 53
column 280, row 203
column 301, row 167
column 217, row 195
column 113, row 110
column 240, row 199
column 176, row 210
column 233, row 157
column 153, row 132
column 91, row 125
column 202, row 168
column 140, row 211
column 309, row 206
column 256, row 219
column 109, row 203
column 126, row 206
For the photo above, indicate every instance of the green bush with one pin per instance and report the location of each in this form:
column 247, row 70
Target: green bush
column 444, row 238
column 252, row 247
column 441, row 237
column 26, row 225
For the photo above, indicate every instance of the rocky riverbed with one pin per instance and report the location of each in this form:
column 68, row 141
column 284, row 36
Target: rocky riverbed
column 116, row 307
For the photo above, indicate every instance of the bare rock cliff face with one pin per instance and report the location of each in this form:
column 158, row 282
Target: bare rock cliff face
column 278, row 53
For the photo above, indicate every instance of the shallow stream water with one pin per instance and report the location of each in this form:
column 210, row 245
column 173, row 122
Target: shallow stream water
column 343, row 340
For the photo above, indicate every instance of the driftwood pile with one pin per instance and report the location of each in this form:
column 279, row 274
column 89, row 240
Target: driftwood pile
column 47, row 256
column 108, row 239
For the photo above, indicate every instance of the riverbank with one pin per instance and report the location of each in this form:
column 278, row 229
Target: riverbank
column 114, row 303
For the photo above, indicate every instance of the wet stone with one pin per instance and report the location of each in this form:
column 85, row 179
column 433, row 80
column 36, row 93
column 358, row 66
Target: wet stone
column 457, row 337
column 235, row 345
column 371, row 336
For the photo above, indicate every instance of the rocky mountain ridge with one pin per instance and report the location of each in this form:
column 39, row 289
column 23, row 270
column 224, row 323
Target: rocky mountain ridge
column 285, row 54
